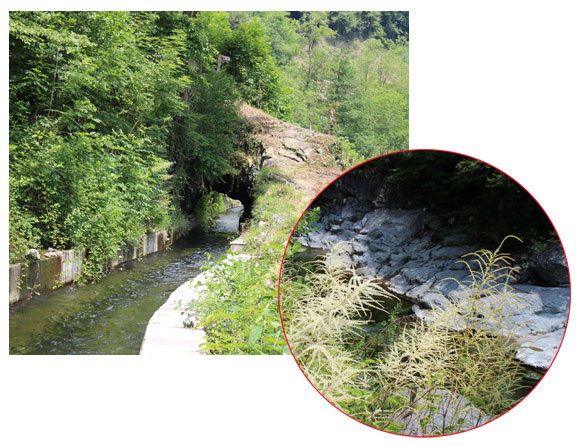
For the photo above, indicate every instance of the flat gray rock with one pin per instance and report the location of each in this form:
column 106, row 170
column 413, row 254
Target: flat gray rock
column 401, row 248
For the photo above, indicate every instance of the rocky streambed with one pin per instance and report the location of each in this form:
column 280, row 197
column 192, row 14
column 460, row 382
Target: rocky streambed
column 411, row 252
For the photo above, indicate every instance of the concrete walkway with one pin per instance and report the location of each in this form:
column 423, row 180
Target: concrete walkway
column 166, row 333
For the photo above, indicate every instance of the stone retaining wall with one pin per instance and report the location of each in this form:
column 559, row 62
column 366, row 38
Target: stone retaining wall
column 59, row 268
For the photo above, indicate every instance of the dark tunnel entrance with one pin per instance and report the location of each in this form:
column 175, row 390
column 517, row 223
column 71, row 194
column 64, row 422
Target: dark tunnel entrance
column 242, row 194
column 235, row 187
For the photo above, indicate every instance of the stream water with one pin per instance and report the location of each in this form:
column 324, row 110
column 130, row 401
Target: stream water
column 110, row 317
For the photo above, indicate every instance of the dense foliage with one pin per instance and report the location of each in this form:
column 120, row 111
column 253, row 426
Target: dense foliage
column 238, row 310
column 209, row 206
column 117, row 117
column 89, row 108
column 346, row 73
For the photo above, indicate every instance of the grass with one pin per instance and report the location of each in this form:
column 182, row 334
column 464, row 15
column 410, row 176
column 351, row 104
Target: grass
column 451, row 373
column 323, row 317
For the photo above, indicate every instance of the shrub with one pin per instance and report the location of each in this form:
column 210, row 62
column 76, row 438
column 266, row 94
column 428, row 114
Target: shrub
column 237, row 310
column 208, row 208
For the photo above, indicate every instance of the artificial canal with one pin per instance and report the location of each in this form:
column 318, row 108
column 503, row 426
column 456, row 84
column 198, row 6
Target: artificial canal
column 110, row 317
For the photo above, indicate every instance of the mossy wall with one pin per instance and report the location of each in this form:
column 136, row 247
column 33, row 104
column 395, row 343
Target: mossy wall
column 62, row 267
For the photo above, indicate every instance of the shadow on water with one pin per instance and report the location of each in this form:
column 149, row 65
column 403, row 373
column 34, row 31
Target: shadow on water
column 110, row 317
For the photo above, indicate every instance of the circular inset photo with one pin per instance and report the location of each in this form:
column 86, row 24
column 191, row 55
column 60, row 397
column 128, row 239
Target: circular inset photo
column 424, row 293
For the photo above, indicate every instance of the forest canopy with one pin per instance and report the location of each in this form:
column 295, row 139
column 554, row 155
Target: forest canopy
column 116, row 116
column 346, row 73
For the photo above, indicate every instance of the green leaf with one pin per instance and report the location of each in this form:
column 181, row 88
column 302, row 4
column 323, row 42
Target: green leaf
column 255, row 334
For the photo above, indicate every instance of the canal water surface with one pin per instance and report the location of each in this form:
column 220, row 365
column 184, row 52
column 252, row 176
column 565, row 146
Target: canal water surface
column 110, row 317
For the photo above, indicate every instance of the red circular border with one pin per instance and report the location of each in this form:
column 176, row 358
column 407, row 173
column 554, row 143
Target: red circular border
column 320, row 193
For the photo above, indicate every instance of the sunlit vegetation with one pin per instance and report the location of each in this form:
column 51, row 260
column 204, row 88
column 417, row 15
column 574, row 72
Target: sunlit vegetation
column 209, row 206
column 121, row 124
column 346, row 73
column 118, row 118
column 238, row 307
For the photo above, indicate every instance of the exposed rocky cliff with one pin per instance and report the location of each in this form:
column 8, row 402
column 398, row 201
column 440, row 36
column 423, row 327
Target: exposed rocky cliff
column 300, row 157
column 413, row 251
column 281, row 153
column 303, row 157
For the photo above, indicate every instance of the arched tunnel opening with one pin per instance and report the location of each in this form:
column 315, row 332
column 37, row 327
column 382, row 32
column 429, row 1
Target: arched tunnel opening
column 235, row 187
column 238, row 191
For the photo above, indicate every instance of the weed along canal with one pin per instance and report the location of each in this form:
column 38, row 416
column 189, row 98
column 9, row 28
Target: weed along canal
column 110, row 317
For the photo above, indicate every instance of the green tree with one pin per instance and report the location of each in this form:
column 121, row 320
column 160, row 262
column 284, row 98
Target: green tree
column 314, row 29
column 254, row 68
column 93, row 99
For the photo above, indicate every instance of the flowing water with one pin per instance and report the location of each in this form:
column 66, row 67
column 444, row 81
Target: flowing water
column 110, row 317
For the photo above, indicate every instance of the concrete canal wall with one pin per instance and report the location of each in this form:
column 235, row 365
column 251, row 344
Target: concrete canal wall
column 57, row 268
column 166, row 333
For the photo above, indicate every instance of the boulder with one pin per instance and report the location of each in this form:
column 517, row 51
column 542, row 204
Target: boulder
column 33, row 254
column 349, row 213
column 550, row 265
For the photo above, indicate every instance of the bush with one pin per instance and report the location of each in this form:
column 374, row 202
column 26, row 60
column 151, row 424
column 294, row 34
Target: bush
column 85, row 191
column 237, row 310
column 254, row 68
column 345, row 154
column 208, row 208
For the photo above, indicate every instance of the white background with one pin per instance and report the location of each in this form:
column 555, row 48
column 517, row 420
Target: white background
column 490, row 79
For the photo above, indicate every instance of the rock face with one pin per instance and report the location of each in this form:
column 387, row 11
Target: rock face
column 406, row 251
column 301, row 156
column 550, row 265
